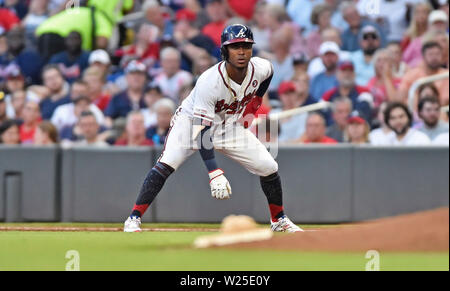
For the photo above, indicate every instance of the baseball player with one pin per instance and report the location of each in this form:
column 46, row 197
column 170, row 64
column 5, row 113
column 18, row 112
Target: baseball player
column 213, row 118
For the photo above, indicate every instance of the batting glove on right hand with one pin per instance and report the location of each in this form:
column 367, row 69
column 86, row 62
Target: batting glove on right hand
column 220, row 187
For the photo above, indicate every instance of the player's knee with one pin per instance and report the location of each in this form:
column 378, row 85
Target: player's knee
column 267, row 168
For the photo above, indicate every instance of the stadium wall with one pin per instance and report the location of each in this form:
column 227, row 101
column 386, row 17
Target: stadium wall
column 322, row 184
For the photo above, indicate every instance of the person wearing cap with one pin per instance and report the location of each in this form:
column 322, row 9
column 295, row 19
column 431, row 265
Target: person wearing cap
column 360, row 97
column 357, row 131
column 370, row 42
column 351, row 36
column 321, row 83
column 29, row 61
column 437, row 21
column 67, row 115
column 100, row 59
column 300, row 63
column 217, row 14
column 15, row 81
column 172, row 77
column 290, row 128
column 8, row 19
column 432, row 61
column 190, row 41
column 130, row 99
column 74, row 60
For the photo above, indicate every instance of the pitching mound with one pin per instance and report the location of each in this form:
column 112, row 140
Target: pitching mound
column 423, row 231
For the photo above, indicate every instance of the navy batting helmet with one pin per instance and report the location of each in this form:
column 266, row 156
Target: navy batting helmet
column 233, row 34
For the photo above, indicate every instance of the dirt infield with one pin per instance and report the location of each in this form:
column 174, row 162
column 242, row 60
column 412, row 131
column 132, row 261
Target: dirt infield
column 423, row 231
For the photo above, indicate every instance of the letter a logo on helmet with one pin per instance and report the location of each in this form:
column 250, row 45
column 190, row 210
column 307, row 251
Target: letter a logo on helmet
column 233, row 34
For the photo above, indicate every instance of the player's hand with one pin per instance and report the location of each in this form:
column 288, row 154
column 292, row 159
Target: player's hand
column 220, row 187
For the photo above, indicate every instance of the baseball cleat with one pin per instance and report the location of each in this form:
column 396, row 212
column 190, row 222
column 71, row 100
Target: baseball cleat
column 132, row 224
column 284, row 224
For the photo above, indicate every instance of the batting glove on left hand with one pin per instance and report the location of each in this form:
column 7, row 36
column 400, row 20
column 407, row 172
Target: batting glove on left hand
column 220, row 187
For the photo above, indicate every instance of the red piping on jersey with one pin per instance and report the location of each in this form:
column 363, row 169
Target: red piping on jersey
column 223, row 79
column 251, row 79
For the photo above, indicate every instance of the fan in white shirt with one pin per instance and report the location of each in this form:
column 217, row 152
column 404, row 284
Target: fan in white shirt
column 399, row 119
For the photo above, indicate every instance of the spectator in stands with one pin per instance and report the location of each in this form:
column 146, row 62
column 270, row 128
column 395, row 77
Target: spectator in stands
column 300, row 63
column 281, row 59
column 30, row 62
column 73, row 61
column 369, row 41
column 442, row 140
column 429, row 112
column 357, row 131
column 321, row 83
column 383, row 86
column 432, row 56
column 291, row 128
column 67, row 115
column 3, row 116
column 399, row 119
column 8, row 20
column 341, row 110
column 427, row 90
column 154, row 13
column 131, row 99
column 441, row 37
column 300, row 11
column 190, row 41
column 9, row 133
column 164, row 108
column 100, row 59
column 437, row 21
column 58, row 91
column 134, row 132
column 380, row 136
column 259, row 28
column 95, row 81
column 315, row 130
column 89, row 129
column 37, row 14
column 351, row 36
column 418, row 25
column 152, row 95
column 280, row 25
column 362, row 100
column 145, row 47
column 46, row 134
column 51, row 33
column 395, row 55
column 217, row 14
column 18, row 100
column 172, row 78
column 31, row 119
column 15, row 81
column 316, row 65
column 3, row 44
column 321, row 18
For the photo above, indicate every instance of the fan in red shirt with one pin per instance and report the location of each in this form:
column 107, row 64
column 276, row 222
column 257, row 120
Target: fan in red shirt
column 134, row 134
column 315, row 130
column 8, row 19
column 31, row 120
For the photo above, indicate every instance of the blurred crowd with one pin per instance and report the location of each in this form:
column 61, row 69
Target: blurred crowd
column 112, row 72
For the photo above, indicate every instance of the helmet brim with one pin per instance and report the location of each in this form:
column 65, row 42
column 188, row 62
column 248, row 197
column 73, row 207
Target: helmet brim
column 236, row 40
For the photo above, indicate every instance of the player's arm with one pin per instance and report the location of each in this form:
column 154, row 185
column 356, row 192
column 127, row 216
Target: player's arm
column 220, row 187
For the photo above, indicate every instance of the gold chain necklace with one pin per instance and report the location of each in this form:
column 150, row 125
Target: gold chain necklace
column 229, row 84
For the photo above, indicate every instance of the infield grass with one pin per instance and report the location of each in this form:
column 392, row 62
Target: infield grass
column 173, row 251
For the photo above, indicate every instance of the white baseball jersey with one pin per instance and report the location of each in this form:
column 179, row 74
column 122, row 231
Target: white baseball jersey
column 220, row 101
